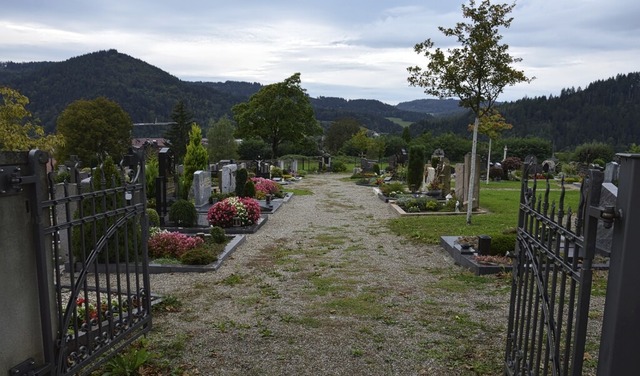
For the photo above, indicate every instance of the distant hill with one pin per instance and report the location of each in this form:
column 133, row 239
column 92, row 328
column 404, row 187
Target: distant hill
column 605, row 111
column 435, row 107
column 149, row 94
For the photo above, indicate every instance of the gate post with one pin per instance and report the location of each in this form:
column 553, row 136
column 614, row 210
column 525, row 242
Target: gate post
column 621, row 322
column 26, row 277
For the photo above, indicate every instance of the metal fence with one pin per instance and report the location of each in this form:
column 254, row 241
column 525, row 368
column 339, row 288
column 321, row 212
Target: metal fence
column 552, row 277
column 98, row 234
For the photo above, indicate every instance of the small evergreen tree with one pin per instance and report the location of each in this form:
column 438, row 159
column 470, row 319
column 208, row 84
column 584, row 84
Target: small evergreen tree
column 195, row 159
column 415, row 168
column 241, row 180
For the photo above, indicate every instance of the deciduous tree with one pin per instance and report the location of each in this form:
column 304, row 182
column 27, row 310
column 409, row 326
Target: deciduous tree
column 221, row 143
column 278, row 112
column 339, row 132
column 17, row 129
column 476, row 72
column 92, row 130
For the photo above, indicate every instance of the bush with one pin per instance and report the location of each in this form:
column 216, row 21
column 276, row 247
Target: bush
column 589, row 152
column 496, row 173
column 153, row 217
column 218, row 235
column 276, row 172
column 183, row 213
column 167, row 244
column 198, row 256
column 249, row 189
column 395, row 186
column 241, row 180
column 338, row 166
column 222, row 212
column 502, row 243
column 266, row 186
column 376, row 168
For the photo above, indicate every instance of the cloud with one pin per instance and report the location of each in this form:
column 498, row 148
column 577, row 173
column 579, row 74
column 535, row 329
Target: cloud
column 351, row 49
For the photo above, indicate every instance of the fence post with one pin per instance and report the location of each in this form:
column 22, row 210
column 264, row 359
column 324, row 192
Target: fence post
column 621, row 323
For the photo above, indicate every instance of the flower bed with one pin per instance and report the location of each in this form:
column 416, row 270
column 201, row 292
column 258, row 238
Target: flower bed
column 174, row 247
column 233, row 211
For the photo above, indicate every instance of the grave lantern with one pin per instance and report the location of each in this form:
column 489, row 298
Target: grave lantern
column 237, row 222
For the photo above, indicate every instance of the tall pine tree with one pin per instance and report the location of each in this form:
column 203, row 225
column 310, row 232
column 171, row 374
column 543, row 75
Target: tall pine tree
column 178, row 134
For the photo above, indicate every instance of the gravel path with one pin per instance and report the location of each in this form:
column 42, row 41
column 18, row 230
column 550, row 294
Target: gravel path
column 323, row 288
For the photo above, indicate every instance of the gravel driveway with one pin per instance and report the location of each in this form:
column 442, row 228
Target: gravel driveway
column 323, row 288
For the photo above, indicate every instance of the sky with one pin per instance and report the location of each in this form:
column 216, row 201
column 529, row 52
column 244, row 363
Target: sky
column 356, row 49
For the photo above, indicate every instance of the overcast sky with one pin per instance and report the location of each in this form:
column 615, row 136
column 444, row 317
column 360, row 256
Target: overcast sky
column 349, row 48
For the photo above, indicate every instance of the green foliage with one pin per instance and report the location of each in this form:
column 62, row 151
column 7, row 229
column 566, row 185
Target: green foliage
column 502, row 243
column 153, row 218
column 406, row 135
column 151, row 172
column 588, row 153
column 376, row 168
column 178, row 135
column 242, row 175
column 17, row 131
column 218, row 235
column 388, row 188
column 198, row 256
column 195, row 159
column 415, row 167
column 221, row 143
column 339, row 132
column 523, row 147
column 633, row 148
column 93, row 130
column 249, row 189
column 276, row 172
column 278, row 112
column 128, row 363
column 458, row 73
column 253, row 148
column 84, row 238
column 338, row 166
column 183, row 213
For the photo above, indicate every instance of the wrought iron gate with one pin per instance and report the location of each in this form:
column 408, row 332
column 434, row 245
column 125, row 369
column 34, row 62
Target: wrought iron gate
column 552, row 277
column 98, row 234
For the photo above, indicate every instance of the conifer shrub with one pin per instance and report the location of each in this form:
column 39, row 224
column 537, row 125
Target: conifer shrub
column 183, row 213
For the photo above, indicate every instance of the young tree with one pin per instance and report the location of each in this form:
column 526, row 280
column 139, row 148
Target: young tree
column 492, row 124
column 93, row 130
column 278, row 112
column 476, row 72
column 222, row 144
column 195, row 159
column 178, row 135
column 17, row 131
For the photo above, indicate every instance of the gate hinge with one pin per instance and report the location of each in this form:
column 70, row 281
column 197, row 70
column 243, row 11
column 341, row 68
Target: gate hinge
column 10, row 180
column 28, row 367
column 608, row 214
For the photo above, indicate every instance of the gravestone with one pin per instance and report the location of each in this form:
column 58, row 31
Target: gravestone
column 201, row 188
column 463, row 173
column 611, row 172
column 294, row 165
column 608, row 197
column 445, row 177
column 228, row 178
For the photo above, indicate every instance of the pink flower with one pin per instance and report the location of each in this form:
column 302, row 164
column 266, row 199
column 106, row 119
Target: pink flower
column 223, row 212
column 171, row 244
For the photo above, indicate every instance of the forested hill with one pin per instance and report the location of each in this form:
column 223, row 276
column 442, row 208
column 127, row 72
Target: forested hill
column 145, row 92
column 149, row 94
column 605, row 111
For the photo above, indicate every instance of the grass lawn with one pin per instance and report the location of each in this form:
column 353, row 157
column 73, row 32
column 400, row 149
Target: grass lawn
column 500, row 199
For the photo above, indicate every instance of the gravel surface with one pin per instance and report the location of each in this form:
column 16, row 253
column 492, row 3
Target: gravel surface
column 323, row 288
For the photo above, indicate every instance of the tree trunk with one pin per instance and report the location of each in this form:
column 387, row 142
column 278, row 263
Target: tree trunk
column 473, row 172
column 489, row 160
